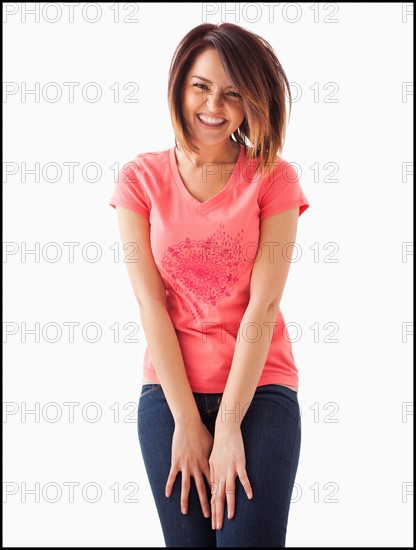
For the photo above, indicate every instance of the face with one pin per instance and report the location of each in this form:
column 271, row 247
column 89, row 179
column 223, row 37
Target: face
column 212, row 106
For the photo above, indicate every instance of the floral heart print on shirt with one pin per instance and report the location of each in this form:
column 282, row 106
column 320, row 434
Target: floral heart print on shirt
column 205, row 270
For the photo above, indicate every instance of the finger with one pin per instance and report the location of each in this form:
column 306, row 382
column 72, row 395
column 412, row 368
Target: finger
column 186, row 485
column 171, row 480
column 214, row 489
column 219, row 505
column 202, row 492
column 242, row 474
column 207, row 473
column 213, row 513
column 230, row 496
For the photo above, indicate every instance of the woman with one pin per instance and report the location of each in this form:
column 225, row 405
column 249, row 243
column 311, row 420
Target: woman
column 208, row 228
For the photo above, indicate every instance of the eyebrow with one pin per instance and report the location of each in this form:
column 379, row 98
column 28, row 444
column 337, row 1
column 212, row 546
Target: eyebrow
column 209, row 81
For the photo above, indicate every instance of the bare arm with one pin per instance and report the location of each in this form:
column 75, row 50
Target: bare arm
column 161, row 337
column 267, row 283
column 192, row 442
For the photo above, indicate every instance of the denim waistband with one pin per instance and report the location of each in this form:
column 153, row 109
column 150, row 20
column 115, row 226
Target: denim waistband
column 210, row 402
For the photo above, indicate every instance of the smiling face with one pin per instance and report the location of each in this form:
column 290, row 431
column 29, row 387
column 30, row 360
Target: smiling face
column 212, row 107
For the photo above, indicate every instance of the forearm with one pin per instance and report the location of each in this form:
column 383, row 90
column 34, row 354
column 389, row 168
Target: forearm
column 166, row 356
column 250, row 354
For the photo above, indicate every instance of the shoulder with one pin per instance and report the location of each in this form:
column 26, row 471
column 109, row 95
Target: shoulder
column 282, row 171
column 153, row 159
column 279, row 170
column 145, row 162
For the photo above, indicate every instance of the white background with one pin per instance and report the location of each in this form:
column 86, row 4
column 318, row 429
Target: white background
column 354, row 485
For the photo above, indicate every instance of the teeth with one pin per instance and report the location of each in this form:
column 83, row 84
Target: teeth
column 209, row 120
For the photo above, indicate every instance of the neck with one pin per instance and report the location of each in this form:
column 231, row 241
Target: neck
column 222, row 153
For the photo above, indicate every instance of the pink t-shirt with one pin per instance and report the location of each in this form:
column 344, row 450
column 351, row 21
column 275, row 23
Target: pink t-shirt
column 205, row 254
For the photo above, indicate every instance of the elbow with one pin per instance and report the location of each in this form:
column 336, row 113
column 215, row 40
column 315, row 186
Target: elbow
column 274, row 308
column 264, row 308
column 151, row 301
column 150, row 294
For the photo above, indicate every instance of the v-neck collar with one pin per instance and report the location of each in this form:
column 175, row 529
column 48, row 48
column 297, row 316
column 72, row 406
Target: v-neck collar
column 216, row 198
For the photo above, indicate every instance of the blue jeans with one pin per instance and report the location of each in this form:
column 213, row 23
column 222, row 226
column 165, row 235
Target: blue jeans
column 271, row 431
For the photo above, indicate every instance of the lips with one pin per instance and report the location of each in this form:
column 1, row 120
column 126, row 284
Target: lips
column 211, row 121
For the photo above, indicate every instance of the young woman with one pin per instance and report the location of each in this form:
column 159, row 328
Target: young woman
column 208, row 227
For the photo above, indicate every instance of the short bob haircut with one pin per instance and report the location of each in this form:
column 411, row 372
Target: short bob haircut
column 255, row 71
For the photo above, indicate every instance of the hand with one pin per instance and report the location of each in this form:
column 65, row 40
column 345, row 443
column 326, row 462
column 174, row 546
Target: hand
column 227, row 461
column 191, row 447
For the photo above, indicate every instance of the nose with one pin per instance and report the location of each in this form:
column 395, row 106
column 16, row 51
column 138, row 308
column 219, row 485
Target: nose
column 214, row 99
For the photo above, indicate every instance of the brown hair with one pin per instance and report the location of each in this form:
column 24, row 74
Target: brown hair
column 257, row 74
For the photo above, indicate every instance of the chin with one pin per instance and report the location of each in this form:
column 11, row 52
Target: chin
column 209, row 140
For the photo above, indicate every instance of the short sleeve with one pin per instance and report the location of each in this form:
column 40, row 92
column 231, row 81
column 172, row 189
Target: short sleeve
column 129, row 191
column 282, row 191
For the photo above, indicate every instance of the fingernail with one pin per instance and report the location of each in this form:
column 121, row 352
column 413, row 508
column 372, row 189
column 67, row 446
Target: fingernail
column 183, row 510
column 206, row 514
column 218, row 525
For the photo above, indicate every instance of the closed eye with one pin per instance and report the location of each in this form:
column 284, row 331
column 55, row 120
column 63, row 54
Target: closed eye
column 205, row 87
column 200, row 86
